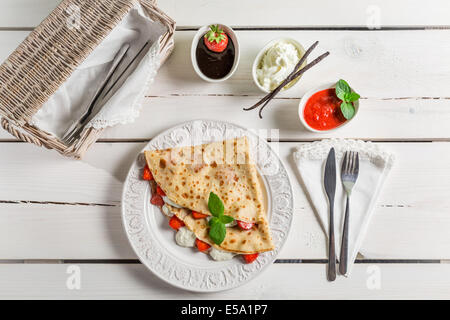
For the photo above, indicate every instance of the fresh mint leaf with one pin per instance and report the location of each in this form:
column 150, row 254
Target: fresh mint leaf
column 226, row 219
column 352, row 96
column 348, row 110
column 215, row 205
column 342, row 89
column 217, row 231
column 214, row 220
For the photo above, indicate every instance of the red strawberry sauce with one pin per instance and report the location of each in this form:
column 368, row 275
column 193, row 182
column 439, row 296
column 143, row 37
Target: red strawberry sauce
column 322, row 110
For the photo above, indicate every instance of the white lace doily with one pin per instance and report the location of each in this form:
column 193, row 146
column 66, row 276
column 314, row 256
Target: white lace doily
column 367, row 151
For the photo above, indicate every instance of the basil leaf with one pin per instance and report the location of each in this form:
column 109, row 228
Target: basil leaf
column 348, row 110
column 352, row 96
column 226, row 219
column 215, row 205
column 342, row 88
column 217, row 232
column 214, row 220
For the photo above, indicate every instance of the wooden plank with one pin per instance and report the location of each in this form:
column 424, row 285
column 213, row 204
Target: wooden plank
column 25, row 13
column 36, row 174
column 384, row 64
column 48, row 231
column 400, row 88
column 286, row 13
column 9, row 41
column 405, row 94
column 280, row 281
column 410, row 221
column 385, row 120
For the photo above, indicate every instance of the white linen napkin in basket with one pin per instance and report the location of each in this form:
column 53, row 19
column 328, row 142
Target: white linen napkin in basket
column 71, row 99
column 374, row 166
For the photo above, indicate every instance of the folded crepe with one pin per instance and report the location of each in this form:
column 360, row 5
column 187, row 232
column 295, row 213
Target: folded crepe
column 255, row 240
column 187, row 175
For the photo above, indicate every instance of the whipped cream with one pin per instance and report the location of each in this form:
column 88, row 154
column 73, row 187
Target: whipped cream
column 185, row 237
column 231, row 224
column 220, row 255
column 276, row 64
column 167, row 212
column 170, row 202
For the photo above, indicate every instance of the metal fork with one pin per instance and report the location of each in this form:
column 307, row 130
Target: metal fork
column 74, row 130
column 349, row 174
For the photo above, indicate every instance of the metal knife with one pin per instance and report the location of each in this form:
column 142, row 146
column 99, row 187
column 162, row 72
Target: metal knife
column 330, row 189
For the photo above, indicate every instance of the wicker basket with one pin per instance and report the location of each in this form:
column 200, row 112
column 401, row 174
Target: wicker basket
column 49, row 55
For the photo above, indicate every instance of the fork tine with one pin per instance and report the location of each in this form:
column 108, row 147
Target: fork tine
column 350, row 163
column 75, row 135
column 357, row 164
column 352, row 167
column 70, row 139
column 344, row 163
column 69, row 134
column 349, row 160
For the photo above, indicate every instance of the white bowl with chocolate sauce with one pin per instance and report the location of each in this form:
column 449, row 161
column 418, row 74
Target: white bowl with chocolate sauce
column 213, row 66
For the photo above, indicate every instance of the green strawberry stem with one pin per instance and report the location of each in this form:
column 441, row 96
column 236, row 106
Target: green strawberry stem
column 215, row 34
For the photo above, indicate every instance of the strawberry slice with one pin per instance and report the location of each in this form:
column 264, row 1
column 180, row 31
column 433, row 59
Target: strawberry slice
column 160, row 191
column 157, row 200
column 216, row 39
column 198, row 215
column 201, row 245
column 176, row 223
column 249, row 258
column 147, row 174
column 245, row 225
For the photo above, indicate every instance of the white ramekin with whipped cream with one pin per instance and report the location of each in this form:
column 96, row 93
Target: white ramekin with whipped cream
column 275, row 62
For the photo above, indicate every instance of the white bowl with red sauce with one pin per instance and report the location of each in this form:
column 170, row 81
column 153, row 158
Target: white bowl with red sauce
column 319, row 109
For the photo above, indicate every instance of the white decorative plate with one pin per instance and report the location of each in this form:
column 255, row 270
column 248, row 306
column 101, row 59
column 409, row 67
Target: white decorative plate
column 154, row 241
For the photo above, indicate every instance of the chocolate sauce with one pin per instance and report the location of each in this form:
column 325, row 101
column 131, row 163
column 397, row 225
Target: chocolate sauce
column 215, row 65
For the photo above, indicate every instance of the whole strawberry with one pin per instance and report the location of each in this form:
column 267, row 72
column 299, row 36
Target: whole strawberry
column 216, row 39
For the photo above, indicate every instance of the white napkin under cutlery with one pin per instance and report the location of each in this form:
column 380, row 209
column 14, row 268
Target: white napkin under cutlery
column 375, row 164
column 71, row 99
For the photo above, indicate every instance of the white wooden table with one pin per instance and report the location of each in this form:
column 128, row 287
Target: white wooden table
column 59, row 216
